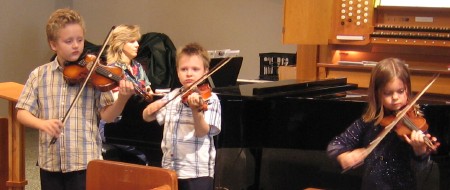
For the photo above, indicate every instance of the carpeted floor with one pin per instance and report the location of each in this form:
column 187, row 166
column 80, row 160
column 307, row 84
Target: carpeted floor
column 290, row 168
column 31, row 154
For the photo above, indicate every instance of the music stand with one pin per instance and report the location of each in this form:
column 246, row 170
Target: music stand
column 227, row 75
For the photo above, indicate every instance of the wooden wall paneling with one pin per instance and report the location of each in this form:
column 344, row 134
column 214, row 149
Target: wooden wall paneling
column 306, row 22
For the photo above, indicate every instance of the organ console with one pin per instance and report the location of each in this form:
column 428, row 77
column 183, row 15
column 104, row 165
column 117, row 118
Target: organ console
column 362, row 22
column 352, row 22
column 368, row 31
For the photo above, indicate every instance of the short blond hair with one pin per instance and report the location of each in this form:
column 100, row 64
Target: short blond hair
column 59, row 19
column 192, row 49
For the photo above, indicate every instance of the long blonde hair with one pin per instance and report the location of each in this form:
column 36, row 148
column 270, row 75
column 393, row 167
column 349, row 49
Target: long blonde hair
column 121, row 35
column 384, row 72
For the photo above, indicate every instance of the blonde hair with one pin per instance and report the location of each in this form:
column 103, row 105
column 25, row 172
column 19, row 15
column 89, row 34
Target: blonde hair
column 192, row 49
column 384, row 72
column 59, row 19
column 121, row 35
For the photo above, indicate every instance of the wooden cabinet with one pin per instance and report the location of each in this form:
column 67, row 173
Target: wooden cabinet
column 306, row 22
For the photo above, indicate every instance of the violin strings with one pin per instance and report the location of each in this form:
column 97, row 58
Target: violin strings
column 413, row 127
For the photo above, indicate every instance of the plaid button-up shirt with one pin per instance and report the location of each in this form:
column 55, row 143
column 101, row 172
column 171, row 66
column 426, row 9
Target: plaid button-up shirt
column 47, row 95
column 189, row 156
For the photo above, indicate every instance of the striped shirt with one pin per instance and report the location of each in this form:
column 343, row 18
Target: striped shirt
column 47, row 95
column 189, row 156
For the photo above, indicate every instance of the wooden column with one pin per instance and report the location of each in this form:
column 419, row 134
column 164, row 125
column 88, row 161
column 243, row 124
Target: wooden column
column 3, row 152
column 307, row 56
column 16, row 142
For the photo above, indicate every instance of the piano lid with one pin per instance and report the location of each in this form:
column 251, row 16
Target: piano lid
column 287, row 88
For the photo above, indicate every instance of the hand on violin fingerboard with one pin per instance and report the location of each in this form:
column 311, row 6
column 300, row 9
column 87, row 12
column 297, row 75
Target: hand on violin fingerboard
column 195, row 101
column 126, row 88
column 416, row 140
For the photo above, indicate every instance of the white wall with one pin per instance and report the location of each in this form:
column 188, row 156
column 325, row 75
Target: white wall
column 252, row 26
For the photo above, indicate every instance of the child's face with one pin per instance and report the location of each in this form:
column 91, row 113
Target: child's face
column 70, row 43
column 130, row 49
column 394, row 95
column 190, row 69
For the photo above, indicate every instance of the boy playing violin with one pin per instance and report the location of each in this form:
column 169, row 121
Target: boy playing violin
column 47, row 96
column 188, row 145
column 394, row 163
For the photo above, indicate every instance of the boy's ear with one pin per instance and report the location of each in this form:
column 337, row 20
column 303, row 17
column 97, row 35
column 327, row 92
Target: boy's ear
column 52, row 45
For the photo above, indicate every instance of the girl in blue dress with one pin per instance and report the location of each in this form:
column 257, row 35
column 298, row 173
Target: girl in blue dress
column 394, row 162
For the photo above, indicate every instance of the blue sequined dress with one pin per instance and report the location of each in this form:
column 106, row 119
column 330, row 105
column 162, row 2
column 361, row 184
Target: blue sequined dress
column 391, row 165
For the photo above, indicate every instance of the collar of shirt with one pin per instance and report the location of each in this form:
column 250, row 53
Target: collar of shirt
column 55, row 65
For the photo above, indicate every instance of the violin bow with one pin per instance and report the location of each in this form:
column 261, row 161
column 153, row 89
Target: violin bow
column 204, row 77
column 389, row 127
column 97, row 60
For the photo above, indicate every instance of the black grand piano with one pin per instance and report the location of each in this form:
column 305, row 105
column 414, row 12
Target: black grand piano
column 274, row 135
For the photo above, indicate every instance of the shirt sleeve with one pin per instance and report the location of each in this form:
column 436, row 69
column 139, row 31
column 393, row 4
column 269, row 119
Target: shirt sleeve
column 106, row 99
column 28, row 99
column 350, row 139
column 161, row 113
column 213, row 115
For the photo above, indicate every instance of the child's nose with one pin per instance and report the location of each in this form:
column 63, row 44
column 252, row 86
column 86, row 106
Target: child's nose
column 394, row 96
column 75, row 44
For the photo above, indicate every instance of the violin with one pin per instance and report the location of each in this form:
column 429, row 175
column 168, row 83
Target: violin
column 412, row 121
column 104, row 78
column 205, row 93
column 184, row 94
